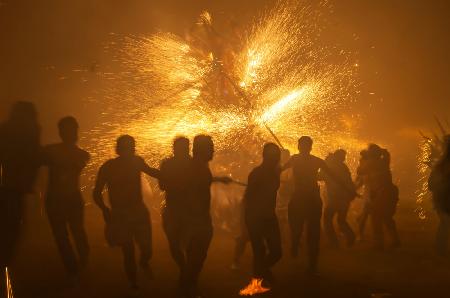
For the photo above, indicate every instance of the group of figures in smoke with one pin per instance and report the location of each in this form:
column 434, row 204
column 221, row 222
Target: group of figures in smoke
column 186, row 180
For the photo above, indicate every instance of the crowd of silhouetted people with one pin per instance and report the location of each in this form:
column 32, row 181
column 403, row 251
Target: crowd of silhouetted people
column 282, row 189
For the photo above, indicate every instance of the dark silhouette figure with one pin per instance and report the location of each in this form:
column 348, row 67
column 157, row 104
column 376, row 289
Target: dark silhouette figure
column 305, row 207
column 174, row 181
column 262, row 223
column 338, row 199
column 127, row 219
column 383, row 194
column 439, row 185
column 19, row 162
column 361, row 181
column 199, row 225
column 284, row 196
column 64, row 202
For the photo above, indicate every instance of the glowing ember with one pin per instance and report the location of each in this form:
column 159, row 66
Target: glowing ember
column 254, row 287
column 9, row 290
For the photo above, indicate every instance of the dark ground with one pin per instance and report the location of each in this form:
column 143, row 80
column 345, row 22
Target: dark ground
column 411, row 271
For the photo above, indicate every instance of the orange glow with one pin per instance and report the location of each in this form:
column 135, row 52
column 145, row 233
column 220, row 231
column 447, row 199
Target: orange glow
column 253, row 288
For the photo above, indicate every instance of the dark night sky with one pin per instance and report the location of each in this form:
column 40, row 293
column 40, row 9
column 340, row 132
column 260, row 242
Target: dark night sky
column 403, row 48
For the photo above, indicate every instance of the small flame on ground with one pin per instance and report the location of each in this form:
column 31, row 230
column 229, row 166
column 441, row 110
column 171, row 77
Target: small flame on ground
column 253, row 288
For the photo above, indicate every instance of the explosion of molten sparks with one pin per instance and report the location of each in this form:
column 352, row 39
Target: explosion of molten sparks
column 274, row 73
column 253, row 288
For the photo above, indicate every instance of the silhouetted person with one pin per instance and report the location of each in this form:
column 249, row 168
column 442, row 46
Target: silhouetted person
column 439, row 185
column 64, row 202
column 128, row 219
column 175, row 181
column 284, row 196
column 383, row 194
column 19, row 161
column 200, row 228
column 262, row 223
column 338, row 198
column 305, row 207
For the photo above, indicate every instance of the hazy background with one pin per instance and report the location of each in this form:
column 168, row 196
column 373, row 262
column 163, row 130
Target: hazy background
column 403, row 49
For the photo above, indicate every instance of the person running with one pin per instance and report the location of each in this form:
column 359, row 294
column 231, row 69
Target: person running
column 20, row 158
column 174, row 181
column 127, row 218
column 199, row 223
column 338, row 199
column 260, row 216
column 64, row 202
column 439, row 185
column 383, row 194
column 305, row 207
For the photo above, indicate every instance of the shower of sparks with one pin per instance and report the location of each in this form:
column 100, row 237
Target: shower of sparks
column 276, row 72
column 430, row 152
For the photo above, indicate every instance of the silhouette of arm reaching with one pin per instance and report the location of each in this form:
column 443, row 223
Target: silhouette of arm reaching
column 222, row 179
column 97, row 193
column 152, row 172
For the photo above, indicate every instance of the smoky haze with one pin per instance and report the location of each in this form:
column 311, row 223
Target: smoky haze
column 402, row 48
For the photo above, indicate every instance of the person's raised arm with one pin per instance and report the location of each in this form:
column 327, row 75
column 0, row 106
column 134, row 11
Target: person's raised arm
column 222, row 179
column 100, row 183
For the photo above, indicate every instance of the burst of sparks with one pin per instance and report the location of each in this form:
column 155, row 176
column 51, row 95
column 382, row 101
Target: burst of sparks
column 275, row 72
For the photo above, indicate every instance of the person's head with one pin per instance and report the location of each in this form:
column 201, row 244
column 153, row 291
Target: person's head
column 68, row 130
column 374, row 151
column 271, row 154
column 125, row 145
column 23, row 111
column 305, row 144
column 181, row 147
column 203, row 148
column 340, row 155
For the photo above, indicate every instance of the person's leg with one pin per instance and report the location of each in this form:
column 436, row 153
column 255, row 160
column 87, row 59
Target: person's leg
column 196, row 253
column 173, row 230
column 143, row 237
column 443, row 233
column 313, row 236
column 239, row 249
column 391, row 228
column 328, row 215
column 256, row 235
column 129, row 262
column 296, row 220
column 362, row 219
column 377, row 226
column 273, row 240
column 76, row 225
column 58, row 223
column 343, row 224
